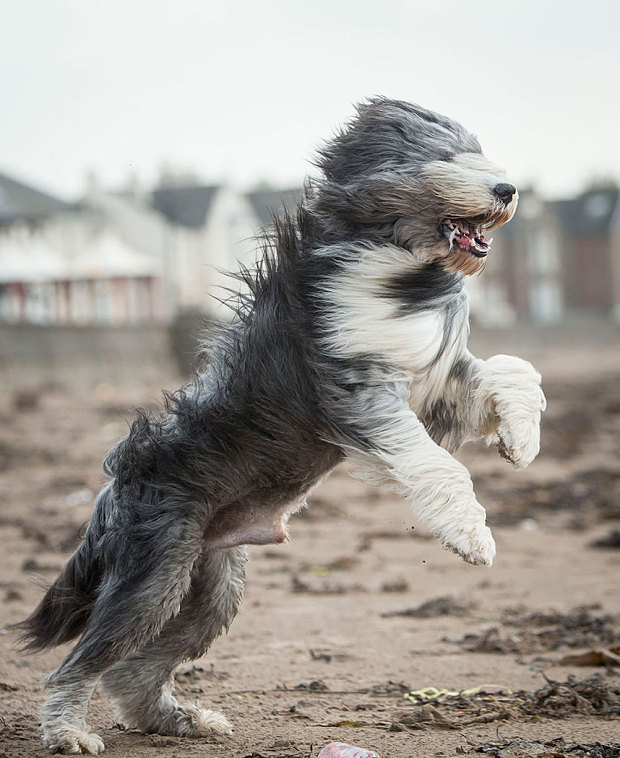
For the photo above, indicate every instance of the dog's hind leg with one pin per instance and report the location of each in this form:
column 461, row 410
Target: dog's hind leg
column 63, row 717
column 141, row 684
column 143, row 591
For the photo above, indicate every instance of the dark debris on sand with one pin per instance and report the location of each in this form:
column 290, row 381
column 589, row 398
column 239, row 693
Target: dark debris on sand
column 518, row 747
column 586, row 497
column 593, row 696
column 609, row 541
column 596, row 696
column 570, row 426
column 439, row 606
column 544, row 631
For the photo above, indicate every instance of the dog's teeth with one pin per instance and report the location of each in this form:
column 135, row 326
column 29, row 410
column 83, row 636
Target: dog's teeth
column 453, row 234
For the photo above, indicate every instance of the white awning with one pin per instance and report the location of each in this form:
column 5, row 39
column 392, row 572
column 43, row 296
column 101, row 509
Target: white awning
column 31, row 258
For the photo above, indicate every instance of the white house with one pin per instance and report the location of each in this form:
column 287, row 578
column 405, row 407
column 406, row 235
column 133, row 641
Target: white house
column 61, row 263
column 125, row 258
column 210, row 231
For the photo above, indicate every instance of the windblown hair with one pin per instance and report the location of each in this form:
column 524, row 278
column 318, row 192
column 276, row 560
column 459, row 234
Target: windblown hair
column 350, row 340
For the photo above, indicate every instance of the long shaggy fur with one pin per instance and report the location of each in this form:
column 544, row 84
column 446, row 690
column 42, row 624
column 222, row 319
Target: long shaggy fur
column 350, row 341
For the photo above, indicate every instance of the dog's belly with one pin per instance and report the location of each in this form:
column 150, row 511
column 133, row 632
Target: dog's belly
column 248, row 524
column 262, row 519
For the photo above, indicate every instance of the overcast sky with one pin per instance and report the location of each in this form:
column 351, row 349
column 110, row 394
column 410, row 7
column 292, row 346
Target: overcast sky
column 244, row 90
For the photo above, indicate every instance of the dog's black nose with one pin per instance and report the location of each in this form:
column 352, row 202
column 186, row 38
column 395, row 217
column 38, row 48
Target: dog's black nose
column 504, row 192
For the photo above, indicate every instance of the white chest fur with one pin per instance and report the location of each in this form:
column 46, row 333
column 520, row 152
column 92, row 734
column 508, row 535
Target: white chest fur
column 363, row 320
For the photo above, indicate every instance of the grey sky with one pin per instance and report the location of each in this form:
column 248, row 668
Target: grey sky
column 245, row 90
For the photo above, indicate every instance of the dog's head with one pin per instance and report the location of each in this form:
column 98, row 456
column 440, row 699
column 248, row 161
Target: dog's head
column 403, row 173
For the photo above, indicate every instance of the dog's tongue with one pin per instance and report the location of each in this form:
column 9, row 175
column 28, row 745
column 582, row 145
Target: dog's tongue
column 467, row 239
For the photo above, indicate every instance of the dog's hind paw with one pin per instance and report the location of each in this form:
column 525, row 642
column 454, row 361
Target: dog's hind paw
column 69, row 740
column 475, row 546
column 206, row 721
column 191, row 720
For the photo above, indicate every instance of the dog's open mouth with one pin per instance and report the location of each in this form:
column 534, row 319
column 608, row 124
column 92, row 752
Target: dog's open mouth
column 466, row 235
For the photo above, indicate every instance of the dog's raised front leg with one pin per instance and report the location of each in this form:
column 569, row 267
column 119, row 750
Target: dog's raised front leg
column 393, row 449
column 501, row 401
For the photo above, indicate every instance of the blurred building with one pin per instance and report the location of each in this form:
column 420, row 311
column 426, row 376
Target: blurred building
column 198, row 232
column 266, row 201
column 122, row 258
column 555, row 260
column 591, row 254
column 63, row 263
column 210, row 231
column 523, row 278
column 136, row 257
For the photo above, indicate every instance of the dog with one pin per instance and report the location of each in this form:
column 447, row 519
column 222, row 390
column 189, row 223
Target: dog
column 350, row 342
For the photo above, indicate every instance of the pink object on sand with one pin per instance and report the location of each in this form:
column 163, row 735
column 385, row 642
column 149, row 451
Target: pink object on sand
column 340, row 750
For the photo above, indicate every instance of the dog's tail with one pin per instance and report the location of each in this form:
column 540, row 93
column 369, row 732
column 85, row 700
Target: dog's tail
column 65, row 608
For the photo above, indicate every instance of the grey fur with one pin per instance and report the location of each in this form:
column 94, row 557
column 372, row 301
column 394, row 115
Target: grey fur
column 373, row 187
column 141, row 683
column 160, row 573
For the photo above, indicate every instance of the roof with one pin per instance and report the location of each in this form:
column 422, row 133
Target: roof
column 20, row 202
column 266, row 202
column 589, row 214
column 185, row 206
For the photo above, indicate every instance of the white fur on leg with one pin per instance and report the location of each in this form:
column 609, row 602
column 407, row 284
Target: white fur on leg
column 69, row 740
column 513, row 386
column 162, row 714
column 63, row 721
column 437, row 485
column 205, row 721
column 476, row 546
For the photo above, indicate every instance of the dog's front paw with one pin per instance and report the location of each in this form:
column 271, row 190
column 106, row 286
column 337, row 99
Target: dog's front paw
column 475, row 545
column 519, row 443
column 518, row 403
column 519, row 427
column 70, row 740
